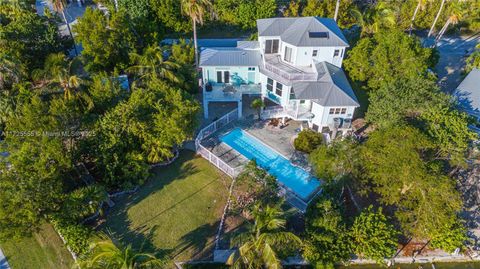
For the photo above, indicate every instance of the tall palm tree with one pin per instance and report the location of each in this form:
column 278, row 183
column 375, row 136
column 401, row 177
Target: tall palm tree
column 420, row 6
column 59, row 6
column 153, row 65
column 106, row 255
column 196, row 10
column 436, row 18
column 456, row 13
column 337, row 7
column 57, row 71
column 258, row 246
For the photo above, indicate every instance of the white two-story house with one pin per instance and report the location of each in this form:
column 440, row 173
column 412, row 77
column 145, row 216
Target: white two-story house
column 295, row 66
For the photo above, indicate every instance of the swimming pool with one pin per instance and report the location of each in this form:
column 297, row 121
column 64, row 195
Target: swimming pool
column 293, row 177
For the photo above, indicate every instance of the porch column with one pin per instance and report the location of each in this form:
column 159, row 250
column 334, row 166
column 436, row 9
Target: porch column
column 205, row 108
column 298, row 106
column 239, row 104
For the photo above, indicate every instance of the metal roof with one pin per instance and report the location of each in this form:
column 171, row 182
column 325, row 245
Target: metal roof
column 248, row 44
column 468, row 92
column 229, row 57
column 298, row 31
column 331, row 89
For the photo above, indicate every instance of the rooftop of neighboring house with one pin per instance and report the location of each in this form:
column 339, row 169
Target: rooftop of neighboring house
column 304, row 31
column 468, row 92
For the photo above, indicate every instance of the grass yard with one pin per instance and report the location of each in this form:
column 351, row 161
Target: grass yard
column 176, row 213
column 44, row 249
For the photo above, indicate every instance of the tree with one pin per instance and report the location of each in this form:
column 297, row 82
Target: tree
column 265, row 238
column 58, row 72
column 456, row 13
column 169, row 12
column 436, row 18
column 327, row 240
column 196, row 10
column 375, row 18
column 473, row 60
column 387, row 57
column 106, row 41
column 248, row 12
column 420, row 6
column 328, row 9
column 151, row 65
column 398, row 165
column 59, row 6
column 448, row 129
column 105, row 254
column 183, row 54
column 337, row 7
column 293, row 9
column 450, row 235
column 308, row 140
column 338, row 159
column 258, row 104
column 11, row 71
column 373, row 237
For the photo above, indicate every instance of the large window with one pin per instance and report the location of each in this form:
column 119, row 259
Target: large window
column 338, row 110
column 219, row 77
column 315, row 52
column 336, row 53
column 278, row 89
column 269, row 84
column 226, row 76
column 271, row 46
column 288, row 54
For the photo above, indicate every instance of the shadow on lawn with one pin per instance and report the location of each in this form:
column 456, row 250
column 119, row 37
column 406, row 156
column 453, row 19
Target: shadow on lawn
column 142, row 237
column 196, row 243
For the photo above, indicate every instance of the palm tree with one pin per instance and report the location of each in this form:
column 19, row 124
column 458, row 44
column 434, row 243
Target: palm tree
column 337, row 7
column 59, row 6
column 57, row 71
column 106, row 255
column 195, row 9
column 456, row 13
column 420, row 5
column 374, row 18
column 152, row 64
column 258, row 104
column 258, row 246
column 436, row 18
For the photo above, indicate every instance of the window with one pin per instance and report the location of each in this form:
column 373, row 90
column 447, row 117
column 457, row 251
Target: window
column 341, row 55
column 292, row 94
column 271, row 46
column 226, row 76
column 337, row 110
column 336, row 53
column 219, row 76
column 332, row 110
column 288, row 54
column 251, row 69
column 269, row 84
column 302, row 101
column 315, row 52
column 344, row 111
column 278, row 89
column 315, row 127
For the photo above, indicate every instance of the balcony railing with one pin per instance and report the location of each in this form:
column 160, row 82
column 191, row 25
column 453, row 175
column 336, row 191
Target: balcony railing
column 299, row 75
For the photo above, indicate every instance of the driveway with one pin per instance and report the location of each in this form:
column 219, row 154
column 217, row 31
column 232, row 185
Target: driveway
column 453, row 52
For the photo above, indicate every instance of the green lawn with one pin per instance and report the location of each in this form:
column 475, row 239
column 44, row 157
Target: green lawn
column 176, row 212
column 44, row 249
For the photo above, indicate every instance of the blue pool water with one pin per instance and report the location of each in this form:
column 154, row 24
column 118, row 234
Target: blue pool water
column 293, row 177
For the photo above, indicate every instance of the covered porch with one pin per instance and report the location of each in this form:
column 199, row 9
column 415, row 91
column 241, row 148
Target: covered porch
column 227, row 93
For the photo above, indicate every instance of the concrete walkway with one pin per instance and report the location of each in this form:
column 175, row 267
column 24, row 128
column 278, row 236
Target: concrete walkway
column 3, row 261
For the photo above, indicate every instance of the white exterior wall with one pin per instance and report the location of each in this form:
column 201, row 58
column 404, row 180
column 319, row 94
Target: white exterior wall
column 304, row 56
column 210, row 73
column 284, row 99
column 323, row 118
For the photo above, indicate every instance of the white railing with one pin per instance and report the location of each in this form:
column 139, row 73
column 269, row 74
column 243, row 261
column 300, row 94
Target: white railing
column 290, row 76
column 275, row 112
column 207, row 154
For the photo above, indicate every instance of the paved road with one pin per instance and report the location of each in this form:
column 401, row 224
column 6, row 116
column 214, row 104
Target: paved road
column 453, row 52
column 3, row 261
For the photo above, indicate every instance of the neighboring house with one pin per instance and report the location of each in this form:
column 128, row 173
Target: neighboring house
column 295, row 65
column 468, row 95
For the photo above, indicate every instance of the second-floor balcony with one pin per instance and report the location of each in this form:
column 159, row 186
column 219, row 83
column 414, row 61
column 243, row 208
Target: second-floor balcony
column 228, row 92
column 274, row 64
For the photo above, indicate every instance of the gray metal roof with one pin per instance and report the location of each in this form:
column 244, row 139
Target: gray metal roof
column 229, row 57
column 331, row 89
column 296, row 31
column 468, row 92
column 248, row 44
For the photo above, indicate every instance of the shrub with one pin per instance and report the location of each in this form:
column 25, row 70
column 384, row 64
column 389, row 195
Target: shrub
column 76, row 235
column 307, row 141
